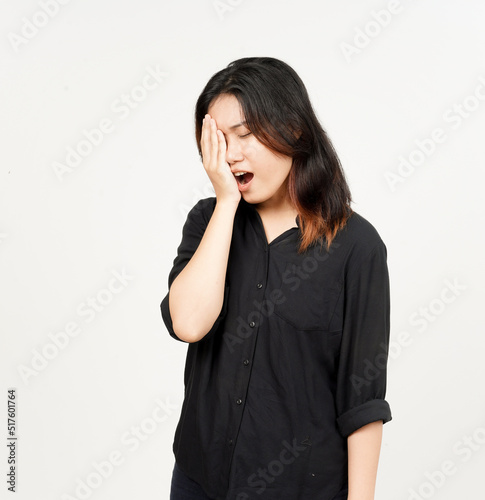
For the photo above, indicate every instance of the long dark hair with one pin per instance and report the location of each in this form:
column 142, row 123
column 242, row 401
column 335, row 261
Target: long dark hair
column 278, row 111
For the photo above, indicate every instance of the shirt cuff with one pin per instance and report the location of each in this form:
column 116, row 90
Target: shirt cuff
column 168, row 318
column 370, row 411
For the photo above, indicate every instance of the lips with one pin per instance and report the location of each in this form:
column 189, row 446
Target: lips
column 243, row 177
column 244, row 180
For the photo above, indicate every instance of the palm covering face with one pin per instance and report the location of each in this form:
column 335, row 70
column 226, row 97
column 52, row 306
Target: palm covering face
column 214, row 150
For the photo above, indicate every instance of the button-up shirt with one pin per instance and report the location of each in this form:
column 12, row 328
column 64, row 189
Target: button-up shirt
column 295, row 362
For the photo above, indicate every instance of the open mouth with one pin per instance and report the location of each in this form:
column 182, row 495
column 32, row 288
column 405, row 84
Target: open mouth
column 244, row 178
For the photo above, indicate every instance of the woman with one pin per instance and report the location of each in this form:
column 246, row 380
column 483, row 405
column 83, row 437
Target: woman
column 281, row 291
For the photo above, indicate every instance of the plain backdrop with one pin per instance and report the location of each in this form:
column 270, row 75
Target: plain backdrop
column 99, row 168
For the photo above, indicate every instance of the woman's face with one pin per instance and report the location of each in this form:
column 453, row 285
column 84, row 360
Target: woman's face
column 268, row 185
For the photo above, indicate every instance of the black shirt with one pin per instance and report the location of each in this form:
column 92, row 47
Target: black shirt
column 295, row 362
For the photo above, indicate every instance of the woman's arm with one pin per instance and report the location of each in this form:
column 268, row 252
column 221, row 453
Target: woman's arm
column 363, row 451
column 197, row 293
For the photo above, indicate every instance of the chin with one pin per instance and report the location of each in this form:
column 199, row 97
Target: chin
column 251, row 198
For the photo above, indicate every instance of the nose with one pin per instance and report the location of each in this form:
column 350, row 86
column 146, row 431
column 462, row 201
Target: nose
column 233, row 152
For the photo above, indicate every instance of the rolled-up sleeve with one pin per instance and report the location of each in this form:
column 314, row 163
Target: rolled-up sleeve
column 362, row 368
column 192, row 233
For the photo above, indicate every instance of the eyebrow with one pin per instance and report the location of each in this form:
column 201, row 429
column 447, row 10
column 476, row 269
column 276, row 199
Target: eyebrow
column 237, row 125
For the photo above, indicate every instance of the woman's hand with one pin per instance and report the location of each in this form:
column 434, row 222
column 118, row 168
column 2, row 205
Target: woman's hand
column 213, row 146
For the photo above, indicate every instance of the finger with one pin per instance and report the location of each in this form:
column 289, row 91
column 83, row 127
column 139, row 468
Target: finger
column 204, row 141
column 214, row 143
column 221, row 154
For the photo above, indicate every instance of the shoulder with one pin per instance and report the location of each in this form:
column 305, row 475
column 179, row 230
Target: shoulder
column 359, row 237
column 202, row 211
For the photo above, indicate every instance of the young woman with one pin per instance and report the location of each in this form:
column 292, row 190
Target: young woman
column 281, row 291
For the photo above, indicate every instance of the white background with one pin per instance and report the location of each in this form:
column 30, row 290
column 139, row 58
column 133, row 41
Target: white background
column 122, row 208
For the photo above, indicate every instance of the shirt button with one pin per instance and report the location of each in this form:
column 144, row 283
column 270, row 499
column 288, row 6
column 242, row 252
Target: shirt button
column 259, row 285
column 252, row 324
column 246, row 362
column 238, row 401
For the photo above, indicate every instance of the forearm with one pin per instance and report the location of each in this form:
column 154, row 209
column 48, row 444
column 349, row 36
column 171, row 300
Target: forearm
column 364, row 447
column 197, row 293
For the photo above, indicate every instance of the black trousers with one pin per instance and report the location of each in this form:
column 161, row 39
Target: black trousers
column 184, row 488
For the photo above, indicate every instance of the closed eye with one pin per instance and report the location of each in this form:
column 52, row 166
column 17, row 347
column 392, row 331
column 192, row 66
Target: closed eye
column 245, row 135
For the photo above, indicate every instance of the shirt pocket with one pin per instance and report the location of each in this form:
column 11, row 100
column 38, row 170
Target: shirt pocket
column 309, row 295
